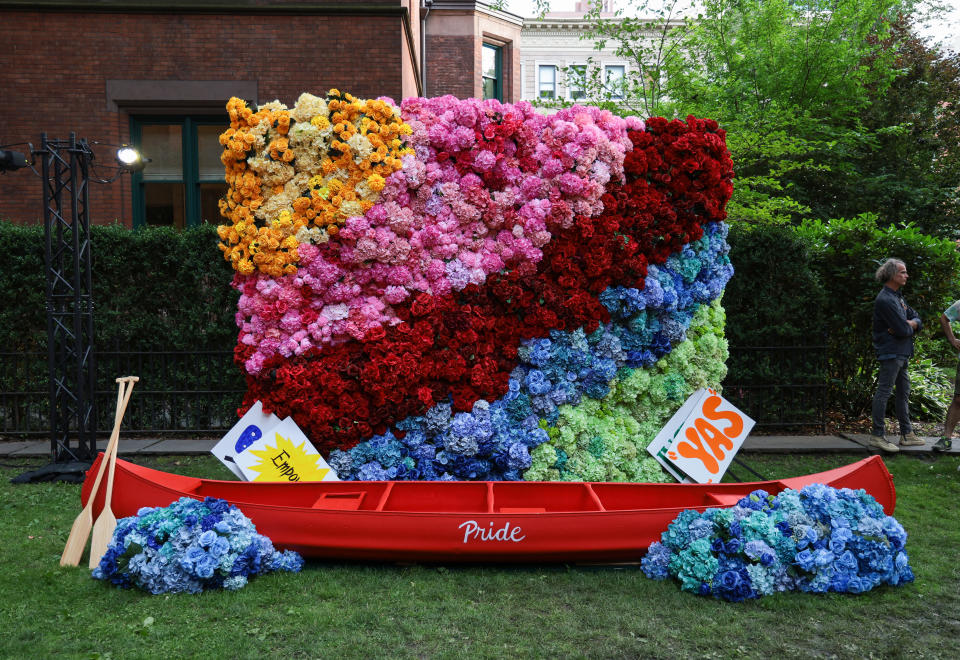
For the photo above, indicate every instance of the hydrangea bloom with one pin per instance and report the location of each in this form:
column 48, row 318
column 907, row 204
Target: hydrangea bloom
column 817, row 539
column 190, row 546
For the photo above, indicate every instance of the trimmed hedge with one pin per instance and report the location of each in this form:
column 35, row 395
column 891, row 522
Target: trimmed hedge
column 775, row 299
column 846, row 255
column 155, row 287
column 814, row 284
column 158, row 288
column 776, row 296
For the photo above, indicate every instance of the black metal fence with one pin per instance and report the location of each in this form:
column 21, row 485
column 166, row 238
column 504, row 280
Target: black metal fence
column 780, row 387
column 186, row 393
column 191, row 393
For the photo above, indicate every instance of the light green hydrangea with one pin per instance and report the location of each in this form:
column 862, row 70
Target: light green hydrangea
column 606, row 440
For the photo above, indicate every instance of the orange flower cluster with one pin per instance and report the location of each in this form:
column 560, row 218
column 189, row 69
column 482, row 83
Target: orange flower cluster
column 271, row 248
column 286, row 176
column 365, row 148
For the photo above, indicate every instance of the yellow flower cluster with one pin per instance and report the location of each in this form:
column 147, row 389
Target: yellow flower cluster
column 297, row 175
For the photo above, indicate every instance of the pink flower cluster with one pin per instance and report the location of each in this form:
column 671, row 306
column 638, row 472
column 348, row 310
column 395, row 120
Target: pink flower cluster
column 486, row 185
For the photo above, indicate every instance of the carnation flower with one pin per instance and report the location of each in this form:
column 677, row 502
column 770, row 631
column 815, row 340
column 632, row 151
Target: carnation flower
column 546, row 229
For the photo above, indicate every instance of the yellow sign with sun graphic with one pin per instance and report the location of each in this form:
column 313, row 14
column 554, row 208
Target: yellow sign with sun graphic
column 284, row 454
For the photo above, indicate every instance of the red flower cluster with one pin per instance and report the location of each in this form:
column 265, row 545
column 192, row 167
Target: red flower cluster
column 464, row 346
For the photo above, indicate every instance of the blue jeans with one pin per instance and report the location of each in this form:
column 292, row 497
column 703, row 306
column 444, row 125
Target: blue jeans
column 893, row 373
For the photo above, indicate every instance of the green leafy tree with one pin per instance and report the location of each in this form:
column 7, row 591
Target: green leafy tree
column 788, row 79
column 908, row 170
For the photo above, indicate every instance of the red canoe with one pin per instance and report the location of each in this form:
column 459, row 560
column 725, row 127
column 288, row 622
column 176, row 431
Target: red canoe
column 466, row 521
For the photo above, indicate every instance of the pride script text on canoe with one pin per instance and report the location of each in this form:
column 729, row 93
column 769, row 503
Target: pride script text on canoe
column 472, row 531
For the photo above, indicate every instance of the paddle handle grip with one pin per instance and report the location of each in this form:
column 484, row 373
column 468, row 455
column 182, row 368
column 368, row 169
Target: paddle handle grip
column 114, row 445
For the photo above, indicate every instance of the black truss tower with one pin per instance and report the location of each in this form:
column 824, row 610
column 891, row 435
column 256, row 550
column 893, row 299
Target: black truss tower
column 70, row 347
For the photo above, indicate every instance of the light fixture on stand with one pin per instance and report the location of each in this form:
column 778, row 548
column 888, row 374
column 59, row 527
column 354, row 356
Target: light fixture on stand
column 130, row 159
column 66, row 167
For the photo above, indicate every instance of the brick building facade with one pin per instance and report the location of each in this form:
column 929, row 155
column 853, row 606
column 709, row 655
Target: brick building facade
column 158, row 75
column 471, row 36
column 134, row 71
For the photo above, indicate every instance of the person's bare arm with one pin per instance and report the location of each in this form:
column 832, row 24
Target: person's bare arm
column 948, row 331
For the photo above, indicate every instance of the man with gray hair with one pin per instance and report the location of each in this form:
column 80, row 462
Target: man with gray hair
column 894, row 325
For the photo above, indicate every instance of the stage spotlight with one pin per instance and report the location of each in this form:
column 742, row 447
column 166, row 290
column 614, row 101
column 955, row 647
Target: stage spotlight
column 130, row 159
column 12, row 160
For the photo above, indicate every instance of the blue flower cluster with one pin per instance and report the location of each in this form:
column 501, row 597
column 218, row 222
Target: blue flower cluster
column 493, row 441
column 650, row 321
column 190, row 546
column 817, row 539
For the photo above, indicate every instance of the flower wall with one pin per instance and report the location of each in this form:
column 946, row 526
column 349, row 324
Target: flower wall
column 464, row 289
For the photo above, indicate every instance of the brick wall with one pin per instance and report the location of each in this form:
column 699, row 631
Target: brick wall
column 455, row 38
column 55, row 65
column 452, row 66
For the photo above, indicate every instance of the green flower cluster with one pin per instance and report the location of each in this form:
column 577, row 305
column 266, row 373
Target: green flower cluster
column 606, row 439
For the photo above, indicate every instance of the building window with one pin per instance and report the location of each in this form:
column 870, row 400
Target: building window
column 577, row 81
column 492, row 72
column 184, row 181
column 615, row 79
column 548, row 81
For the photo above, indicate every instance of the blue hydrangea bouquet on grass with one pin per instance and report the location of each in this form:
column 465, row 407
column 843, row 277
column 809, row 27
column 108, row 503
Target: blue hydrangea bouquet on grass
column 190, row 546
column 817, row 539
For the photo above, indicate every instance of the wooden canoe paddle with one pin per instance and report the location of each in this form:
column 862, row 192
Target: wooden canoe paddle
column 106, row 523
column 80, row 531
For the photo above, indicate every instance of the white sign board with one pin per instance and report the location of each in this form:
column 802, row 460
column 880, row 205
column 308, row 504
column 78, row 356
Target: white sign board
column 284, row 454
column 669, row 431
column 251, row 427
column 702, row 438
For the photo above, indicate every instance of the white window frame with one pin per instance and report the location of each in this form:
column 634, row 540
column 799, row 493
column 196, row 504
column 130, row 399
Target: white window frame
column 539, row 90
column 583, row 86
column 606, row 77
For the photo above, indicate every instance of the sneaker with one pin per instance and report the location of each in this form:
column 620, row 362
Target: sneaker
column 943, row 444
column 881, row 443
column 911, row 440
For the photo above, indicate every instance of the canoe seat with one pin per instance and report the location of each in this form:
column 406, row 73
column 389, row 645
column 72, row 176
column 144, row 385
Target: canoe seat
column 339, row 501
column 723, row 499
column 522, row 509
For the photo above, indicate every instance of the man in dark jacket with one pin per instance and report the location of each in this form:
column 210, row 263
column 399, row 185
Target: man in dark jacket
column 894, row 326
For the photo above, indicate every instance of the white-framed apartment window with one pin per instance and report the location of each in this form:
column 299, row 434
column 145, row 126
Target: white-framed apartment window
column 615, row 79
column 577, row 82
column 547, row 81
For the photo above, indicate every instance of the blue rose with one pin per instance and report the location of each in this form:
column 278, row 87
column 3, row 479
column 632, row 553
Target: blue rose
column 804, row 560
column 219, row 547
column 733, row 546
column 205, row 567
column 207, row 538
column 856, row 585
column 216, row 506
column 730, row 580
column 840, row 582
column 193, row 554
column 847, row 561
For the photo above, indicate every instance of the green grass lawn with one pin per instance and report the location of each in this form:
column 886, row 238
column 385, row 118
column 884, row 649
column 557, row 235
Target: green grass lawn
column 337, row 609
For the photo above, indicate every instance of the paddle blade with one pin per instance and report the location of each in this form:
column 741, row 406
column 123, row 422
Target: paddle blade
column 102, row 533
column 77, row 541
